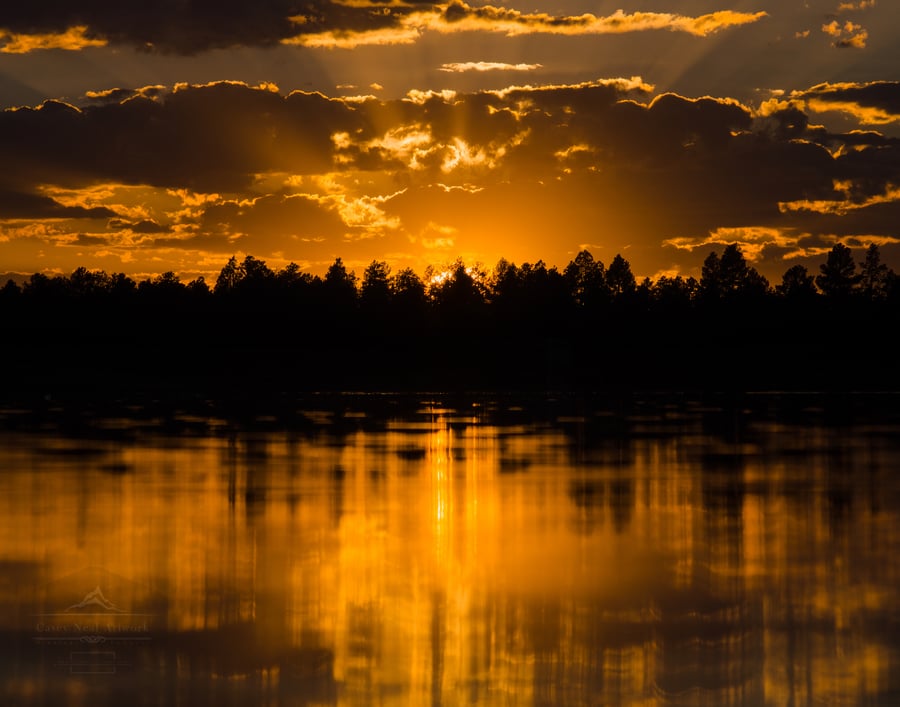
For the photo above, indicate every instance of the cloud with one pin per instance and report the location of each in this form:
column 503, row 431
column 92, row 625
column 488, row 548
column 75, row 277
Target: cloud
column 185, row 27
column 213, row 137
column 350, row 39
column 120, row 95
column 873, row 103
column 191, row 27
column 753, row 239
column 458, row 16
column 525, row 172
column 847, row 35
column 71, row 39
column 263, row 223
column 23, row 205
column 857, row 41
column 855, row 6
column 461, row 67
column 146, row 226
column 84, row 239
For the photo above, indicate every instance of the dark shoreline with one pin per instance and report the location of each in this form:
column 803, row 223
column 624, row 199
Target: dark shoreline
column 261, row 334
column 44, row 366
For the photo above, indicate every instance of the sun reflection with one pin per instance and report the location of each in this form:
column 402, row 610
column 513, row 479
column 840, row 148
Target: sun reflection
column 443, row 557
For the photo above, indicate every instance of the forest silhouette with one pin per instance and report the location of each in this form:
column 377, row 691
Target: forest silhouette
column 588, row 326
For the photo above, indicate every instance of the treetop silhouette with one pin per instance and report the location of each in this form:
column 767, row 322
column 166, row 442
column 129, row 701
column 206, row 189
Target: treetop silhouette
column 585, row 282
column 588, row 325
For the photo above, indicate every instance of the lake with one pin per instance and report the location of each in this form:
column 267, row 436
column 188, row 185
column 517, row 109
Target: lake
column 451, row 550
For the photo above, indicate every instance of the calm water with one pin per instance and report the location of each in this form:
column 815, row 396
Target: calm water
column 372, row 550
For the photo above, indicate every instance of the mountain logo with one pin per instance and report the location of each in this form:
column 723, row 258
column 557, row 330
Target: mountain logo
column 95, row 600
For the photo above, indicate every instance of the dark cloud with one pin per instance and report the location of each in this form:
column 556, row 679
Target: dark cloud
column 876, row 94
column 272, row 219
column 144, row 226
column 537, row 172
column 24, row 205
column 193, row 26
column 874, row 102
column 213, row 138
column 85, row 240
column 119, row 95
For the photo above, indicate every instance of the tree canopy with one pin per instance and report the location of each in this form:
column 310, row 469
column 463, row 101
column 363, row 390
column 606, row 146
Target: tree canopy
column 588, row 324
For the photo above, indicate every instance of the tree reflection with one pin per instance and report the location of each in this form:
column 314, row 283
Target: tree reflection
column 669, row 558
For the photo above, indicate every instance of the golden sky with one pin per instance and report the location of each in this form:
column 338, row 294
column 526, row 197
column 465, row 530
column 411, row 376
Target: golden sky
column 147, row 137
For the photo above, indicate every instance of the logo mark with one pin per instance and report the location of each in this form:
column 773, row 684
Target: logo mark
column 95, row 599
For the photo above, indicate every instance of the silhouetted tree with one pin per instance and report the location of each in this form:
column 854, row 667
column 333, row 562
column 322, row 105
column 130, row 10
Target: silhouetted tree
column 525, row 324
column 289, row 274
column 86, row 283
column 875, row 276
column 730, row 277
column 587, row 280
column 293, row 282
column 167, row 280
column 408, row 293
column 229, row 277
column 797, row 284
column 504, row 282
column 339, row 290
column 645, row 290
column 10, row 293
column 838, row 278
column 164, row 289
column 256, row 278
column 674, row 293
column 459, row 290
column 375, row 292
column 893, row 287
column 337, row 276
column 41, row 288
column 619, row 279
column 710, row 279
column 532, row 292
column 121, row 286
column 407, row 283
column 198, row 288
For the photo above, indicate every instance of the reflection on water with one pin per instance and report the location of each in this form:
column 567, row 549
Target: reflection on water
column 465, row 553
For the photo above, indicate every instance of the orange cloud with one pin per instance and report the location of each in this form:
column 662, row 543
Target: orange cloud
column 853, row 6
column 72, row 39
column 460, row 67
column 621, row 85
column 753, row 240
column 857, row 41
column 524, row 172
column 349, row 39
column 843, row 206
column 460, row 17
column 875, row 103
column 847, row 35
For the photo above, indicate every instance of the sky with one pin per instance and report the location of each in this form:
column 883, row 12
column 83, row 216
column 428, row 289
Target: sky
column 169, row 135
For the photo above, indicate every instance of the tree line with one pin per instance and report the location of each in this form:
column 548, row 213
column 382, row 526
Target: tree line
column 587, row 325
column 585, row 282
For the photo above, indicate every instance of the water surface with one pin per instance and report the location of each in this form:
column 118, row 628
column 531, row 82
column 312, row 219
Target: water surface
column 373, row 550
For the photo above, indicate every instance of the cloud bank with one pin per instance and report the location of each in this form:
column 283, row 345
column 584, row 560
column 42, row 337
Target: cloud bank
column 186, row 174
column 194, row 26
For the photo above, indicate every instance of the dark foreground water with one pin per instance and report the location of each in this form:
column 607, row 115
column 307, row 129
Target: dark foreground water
column 425, row 551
